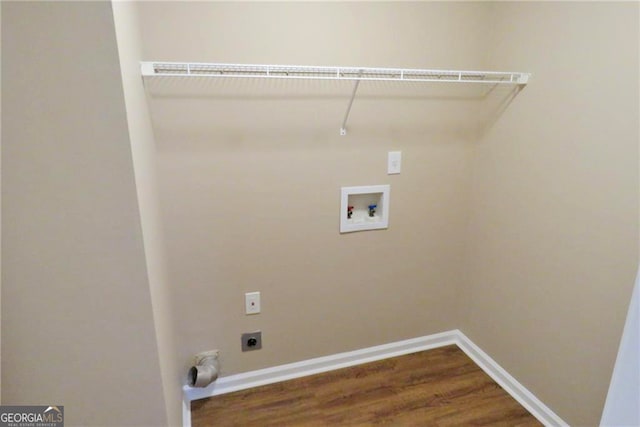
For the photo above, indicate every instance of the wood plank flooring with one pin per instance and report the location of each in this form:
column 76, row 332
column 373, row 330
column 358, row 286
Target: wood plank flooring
column 440, row 387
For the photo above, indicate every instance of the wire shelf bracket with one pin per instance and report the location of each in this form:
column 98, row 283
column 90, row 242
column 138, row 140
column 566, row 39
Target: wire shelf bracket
column 355, row 74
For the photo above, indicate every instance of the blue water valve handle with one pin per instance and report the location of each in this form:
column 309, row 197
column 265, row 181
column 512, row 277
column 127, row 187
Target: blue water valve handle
column 372, row 209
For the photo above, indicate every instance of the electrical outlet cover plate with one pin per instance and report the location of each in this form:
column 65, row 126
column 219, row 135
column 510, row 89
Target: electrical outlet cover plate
column 252, row 303
column 394, row 162
column 252, row 341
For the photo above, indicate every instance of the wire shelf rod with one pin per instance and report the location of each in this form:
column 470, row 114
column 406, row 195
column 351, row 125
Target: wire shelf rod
column 343, row 128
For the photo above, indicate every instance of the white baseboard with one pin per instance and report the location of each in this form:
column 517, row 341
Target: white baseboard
column 519, row 392
column 289, row 371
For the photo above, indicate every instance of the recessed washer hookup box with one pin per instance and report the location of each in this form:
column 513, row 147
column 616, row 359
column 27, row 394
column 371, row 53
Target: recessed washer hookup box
column 364, row 208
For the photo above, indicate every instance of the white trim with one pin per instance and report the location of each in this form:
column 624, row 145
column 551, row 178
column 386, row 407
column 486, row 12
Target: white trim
column 290, row 371
column 186, row 410
column 519, row 392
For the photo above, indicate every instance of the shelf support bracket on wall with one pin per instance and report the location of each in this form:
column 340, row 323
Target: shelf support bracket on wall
column 343, row 129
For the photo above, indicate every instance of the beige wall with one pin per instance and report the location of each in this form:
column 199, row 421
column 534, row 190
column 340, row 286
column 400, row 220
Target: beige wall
column 144, row 162
column 250, row 185
column 539, row 213
column 553, row 237
column 521, row 230
column 77, row 324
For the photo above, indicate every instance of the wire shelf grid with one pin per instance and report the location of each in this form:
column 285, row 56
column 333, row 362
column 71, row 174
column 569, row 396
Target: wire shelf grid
column 178, row 69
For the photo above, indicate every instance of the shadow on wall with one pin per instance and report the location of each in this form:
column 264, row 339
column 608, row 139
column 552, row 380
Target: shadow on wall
column 496, row 105
column 263, row 107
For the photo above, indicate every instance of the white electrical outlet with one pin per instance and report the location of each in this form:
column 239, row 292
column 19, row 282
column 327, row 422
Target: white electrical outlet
column 394, row 162
column 252, row 302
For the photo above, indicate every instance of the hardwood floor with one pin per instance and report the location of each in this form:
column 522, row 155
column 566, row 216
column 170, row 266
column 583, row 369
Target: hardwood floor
column 440, row 387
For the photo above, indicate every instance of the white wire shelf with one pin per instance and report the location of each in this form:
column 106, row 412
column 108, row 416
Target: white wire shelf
column 194, row 69
column 355, row 74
